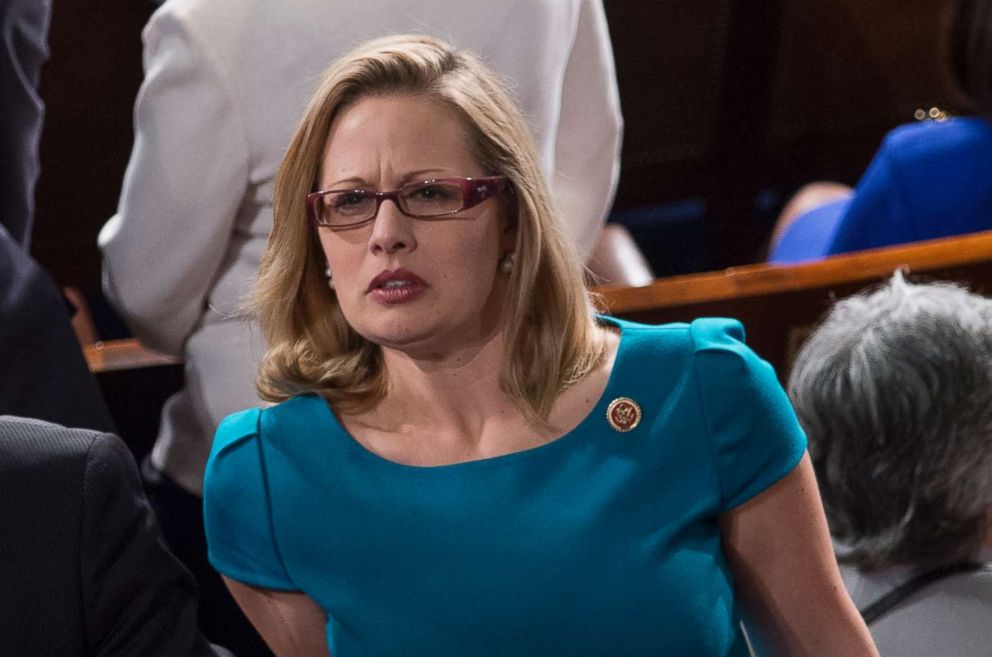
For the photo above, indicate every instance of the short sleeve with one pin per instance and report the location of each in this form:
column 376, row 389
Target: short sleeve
column 237, row 511
column 753, row 430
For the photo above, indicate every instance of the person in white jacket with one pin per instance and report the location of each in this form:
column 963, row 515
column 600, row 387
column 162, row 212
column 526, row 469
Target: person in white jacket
column 225, row 83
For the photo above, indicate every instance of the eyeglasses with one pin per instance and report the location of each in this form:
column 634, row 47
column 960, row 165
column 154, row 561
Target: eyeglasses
column 339, row 209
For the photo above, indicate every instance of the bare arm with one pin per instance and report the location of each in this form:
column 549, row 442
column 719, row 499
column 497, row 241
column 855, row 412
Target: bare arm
column 291, row 623
column 786, row 574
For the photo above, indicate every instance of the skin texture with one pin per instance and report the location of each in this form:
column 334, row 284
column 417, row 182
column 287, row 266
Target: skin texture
column 786, row 576
column 291, row 623
column 384, row 142
column 443, row 352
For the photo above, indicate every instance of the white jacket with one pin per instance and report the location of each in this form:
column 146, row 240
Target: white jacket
column 225, row 84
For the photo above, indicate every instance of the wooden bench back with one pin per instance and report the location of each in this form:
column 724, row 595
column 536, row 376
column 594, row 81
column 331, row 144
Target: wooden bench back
column 778, row 305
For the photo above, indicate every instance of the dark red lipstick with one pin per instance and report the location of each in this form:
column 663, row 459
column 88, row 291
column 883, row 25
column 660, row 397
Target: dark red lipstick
column 396, row 286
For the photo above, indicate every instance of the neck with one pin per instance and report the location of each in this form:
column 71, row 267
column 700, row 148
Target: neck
column 458, row 388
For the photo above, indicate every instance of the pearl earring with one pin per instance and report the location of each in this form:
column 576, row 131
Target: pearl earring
column 330, row 280
column 506, row 263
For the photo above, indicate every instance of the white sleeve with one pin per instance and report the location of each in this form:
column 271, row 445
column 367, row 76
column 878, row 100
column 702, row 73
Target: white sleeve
column 184, row 184
column 590, row 128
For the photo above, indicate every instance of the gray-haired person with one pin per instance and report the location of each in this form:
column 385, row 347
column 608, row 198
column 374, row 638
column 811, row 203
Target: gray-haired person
column 894, row 390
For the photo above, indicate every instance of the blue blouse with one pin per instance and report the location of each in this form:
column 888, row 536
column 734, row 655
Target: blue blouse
column 600, row 542
column 928, row 180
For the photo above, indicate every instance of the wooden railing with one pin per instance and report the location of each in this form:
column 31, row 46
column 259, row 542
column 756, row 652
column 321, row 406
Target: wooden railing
column 779, row 304
column 129, row 354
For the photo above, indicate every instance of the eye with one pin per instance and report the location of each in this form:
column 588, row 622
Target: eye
column 431, row 193
column 348, row 200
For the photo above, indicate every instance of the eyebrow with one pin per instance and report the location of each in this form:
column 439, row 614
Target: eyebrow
column 409, row 177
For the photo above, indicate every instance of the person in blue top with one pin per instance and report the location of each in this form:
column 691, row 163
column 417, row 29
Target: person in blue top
column 464, row 459
column 928, row 180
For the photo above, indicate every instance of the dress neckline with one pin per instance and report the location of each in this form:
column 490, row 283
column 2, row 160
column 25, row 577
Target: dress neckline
column 594, row 423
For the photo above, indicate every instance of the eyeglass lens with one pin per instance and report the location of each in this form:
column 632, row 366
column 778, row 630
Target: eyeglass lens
column 418, row 200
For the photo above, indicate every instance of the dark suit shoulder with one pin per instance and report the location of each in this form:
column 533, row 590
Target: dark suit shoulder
column 45, row 374
column 42, row 469
column 39, row 445
column 139, row 601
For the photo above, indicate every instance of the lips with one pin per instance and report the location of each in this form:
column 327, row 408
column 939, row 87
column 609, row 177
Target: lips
column 397, row 286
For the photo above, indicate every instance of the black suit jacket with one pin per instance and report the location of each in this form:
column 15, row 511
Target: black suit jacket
column 42, row 370
column 83, row 570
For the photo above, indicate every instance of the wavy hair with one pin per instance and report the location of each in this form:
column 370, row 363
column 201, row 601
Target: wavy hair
column 894, row 390
column 550, row 335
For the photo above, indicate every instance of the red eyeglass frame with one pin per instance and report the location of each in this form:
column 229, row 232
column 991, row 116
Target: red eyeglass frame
column 474, row 192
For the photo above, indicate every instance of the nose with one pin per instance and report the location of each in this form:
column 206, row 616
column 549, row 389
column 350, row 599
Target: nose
column 392, row 231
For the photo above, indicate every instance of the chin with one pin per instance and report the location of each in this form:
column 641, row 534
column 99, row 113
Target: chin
column 425, row 336
column 397, row 332
column 426, row 328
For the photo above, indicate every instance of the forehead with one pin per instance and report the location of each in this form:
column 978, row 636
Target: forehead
column 391, row 135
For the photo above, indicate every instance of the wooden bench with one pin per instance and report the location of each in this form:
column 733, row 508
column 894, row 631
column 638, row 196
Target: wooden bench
column 778, row 305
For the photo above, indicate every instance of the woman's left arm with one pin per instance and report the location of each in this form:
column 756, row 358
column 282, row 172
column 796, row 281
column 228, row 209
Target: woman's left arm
column 786, row 575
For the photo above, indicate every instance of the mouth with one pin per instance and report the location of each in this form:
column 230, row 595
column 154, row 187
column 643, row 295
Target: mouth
column 397, row 286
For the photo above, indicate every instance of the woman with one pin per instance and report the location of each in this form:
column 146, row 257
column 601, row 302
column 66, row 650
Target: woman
column 464, row 460
column 928, row 180
column 225, row 82
column 893, row 390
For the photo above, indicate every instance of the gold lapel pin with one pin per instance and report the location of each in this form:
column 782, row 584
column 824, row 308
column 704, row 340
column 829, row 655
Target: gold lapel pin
column 623, row 414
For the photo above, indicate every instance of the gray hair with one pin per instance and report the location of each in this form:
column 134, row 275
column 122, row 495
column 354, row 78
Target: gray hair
column 894, row 390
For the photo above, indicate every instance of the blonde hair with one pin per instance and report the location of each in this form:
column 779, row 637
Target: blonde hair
column 550, row 336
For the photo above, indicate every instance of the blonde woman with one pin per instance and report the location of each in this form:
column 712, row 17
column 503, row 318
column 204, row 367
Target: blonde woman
column 464, row 459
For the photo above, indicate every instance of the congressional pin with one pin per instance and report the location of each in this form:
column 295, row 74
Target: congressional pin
column 623, row 414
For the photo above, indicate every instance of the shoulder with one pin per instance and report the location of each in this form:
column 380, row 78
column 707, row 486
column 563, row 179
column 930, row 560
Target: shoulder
column 949, row 617
column 721, row 353
column 63, row 470
column 706, row 335
column 215, row 26
column 711, row 351
column 976, row 585
column 37, row 445
column 705, row 328
column 236, row 429
column 718, row 334
column 935, row 139
column 271, row 424
column 658, row 335
column 43, row 466
column 209, row 13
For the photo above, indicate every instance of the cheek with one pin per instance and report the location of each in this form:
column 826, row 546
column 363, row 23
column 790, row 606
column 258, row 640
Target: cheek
column 472, row 262
column 342, row 250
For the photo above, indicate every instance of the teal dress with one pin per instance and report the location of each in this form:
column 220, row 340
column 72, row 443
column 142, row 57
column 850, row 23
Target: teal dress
column 601, row 542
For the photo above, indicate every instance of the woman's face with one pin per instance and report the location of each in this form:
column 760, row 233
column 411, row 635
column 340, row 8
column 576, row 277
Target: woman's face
column 418, row 285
